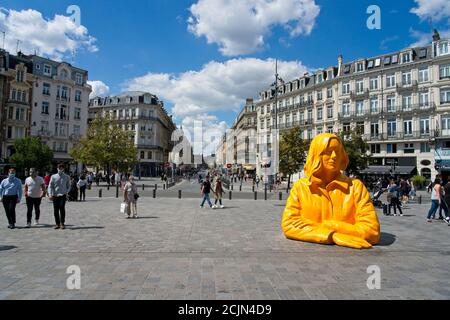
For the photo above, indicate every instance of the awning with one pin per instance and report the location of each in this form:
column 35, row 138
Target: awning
column 249, row 167
column 388, row 170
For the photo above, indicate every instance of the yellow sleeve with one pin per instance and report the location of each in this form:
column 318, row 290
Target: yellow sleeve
column 297, row 227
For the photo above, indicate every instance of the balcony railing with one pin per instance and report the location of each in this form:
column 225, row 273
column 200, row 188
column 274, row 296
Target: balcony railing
column 44, row 133
column 414, row 85
column 75, row 137
column 401, row 135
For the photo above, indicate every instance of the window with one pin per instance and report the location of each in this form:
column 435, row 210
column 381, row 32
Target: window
column 347, row 69
column 360, row 86
column 394, row 59
column 445, row 123
column 445, row 95
column 77, row 113
column 19, row 132
column 390, row 81
column 406, row 78
column 310, row 116
column 346, row 109
column 76, row 130
column 387, row 60
column 149, row 155
column 320, row 78
column 346, row 127
column 319, row 95
column 407, row 103
column 375, row 148
column 360, row 67
column 10, row 113
column 329, row 93
column 20, row 114
column 443, row 48
column 360, row 127
column 422, row 53
column 329, row 75
column 391, row 101
column 444, row 71
column 370, row 64
column 78, row 95
column 373, row 83
column 374, row 129
column 425, row 147
column 79, row 79
column 64, row 74
column 19, row 76
column 13, row 94
column 262, row 124
column 47, row 70
column 330, row 129
column 423, row 75
column 9, row 132
column 409, row 148
column 359, row 108
column 346, row 88
column 377, row 62
column 46, row 89
column 64, row 92
column 142, row 155
column 330, row 112
column 45, row 107
column 424, row 100
column 391, row 148
column 406, row 57
column 392, row 128
column 319, row 114
column 407, row 127
column 424, row 126
column 374, row 105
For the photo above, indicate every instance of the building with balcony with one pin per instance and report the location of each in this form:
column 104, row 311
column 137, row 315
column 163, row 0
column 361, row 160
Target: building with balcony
column 399, row 102
column 60, row 106
column 16, row 86
column 144, row 114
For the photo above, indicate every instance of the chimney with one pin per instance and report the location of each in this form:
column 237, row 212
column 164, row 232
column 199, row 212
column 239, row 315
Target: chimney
column 340, row 64
column 436, row 36
column 249, row 101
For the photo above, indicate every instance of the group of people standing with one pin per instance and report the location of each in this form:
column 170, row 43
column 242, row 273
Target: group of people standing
column 440, row 199
column 216, row 188
column 56, row 187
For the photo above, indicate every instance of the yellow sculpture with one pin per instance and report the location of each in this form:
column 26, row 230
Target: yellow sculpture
column 327, row 207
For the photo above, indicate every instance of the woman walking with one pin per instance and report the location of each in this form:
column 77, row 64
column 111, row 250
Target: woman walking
column 82, row 185
column 218, row 192
column 393, row 190
column 130, row 197
column 436, row 199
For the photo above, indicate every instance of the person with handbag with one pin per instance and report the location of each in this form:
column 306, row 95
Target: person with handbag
column 218, row 192
column 130, row 197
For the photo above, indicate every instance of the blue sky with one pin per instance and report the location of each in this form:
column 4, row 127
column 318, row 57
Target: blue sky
column 147, row 45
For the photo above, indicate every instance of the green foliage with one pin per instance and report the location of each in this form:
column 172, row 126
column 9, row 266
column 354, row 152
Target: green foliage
column 356, row 148
column 106, row 145
column 30, row 152
column 293, row 151
column 418, row 181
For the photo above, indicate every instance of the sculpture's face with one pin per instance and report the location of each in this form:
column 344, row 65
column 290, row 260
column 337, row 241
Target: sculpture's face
column 331, row 157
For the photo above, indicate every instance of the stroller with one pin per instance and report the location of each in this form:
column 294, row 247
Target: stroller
column 376, row 198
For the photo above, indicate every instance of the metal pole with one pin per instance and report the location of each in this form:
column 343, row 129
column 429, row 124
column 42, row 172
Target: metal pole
column 256, row 195
column 117, row 191
column 154, row 193
column 230, row 195
column 99, row 193
column 179, row 194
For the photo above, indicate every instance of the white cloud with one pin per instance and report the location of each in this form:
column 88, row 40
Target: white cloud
column 218, row 86
column 424, row 38
column 99, row 89
column 435, row 9
column 241, row 26
column 55, row 38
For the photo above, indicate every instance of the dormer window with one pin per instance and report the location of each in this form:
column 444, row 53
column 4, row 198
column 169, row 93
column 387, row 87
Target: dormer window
column 347, row 69
column 370, row 64
column 406, row 57
column 64, row 74
column 320, row 78
column 394, row 59
column 423, row 53
column 302, row 83
column 47, row 70
column 360, row 67
column 377, row 62
column 387, row 60
column 79, row 79
column 330, row 75
column 443, row 48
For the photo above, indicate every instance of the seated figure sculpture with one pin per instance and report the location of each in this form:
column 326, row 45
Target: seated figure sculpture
column 326, row 207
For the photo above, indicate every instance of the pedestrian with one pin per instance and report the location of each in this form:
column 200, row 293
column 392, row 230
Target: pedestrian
column 435, row 199
column 130, row 197
column 412, row 192
column 11, row 194
column 205, row 191
column 35, row 190
column 218, row 192
column 393, row 190
column 447, row 201
column 90, row 180
column 82, row 185
column 57, row 191
column 73, row 190
column 47, row 179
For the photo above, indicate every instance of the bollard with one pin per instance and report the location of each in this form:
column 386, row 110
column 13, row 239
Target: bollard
column 231, row 187
column 253, row 189
column 117, row 191
column 143, row 187
column 230, row 195
column 419, row 199
column 179, row 194
column 280, row 196
column 265, row 194
column 108, row 187
column 99, row 193
column 156, row 186
column 240, row 187
column 164, row 186
column 154, row 194
column 256, row 195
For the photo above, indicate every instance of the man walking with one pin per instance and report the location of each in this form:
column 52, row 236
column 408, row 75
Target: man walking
column 57, row 191
column 11, row 194
column 206, row 190
column 34, row 192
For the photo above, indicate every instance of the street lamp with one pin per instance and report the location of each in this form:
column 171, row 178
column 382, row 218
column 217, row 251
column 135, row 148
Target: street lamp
column 276, row 87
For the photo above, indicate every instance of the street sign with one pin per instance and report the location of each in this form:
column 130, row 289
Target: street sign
column 229, row 166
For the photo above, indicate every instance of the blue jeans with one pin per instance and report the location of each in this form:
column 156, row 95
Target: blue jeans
column 206, row 198
column 433, row 209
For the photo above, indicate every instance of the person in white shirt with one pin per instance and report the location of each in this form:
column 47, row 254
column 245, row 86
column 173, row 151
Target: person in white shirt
column 35, row 190
column 82, row 184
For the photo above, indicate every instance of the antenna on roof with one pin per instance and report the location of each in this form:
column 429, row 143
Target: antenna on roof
column 17, row 46
column 3, row 43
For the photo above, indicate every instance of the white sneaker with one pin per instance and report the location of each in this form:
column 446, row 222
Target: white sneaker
column 29, row 225
column 222, row 207
column 36, row 223
column 214, row 206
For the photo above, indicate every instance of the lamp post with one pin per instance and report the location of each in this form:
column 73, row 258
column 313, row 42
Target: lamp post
column 276, row 87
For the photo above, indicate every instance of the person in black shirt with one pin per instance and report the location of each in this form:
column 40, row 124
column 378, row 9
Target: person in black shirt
column 446, row 202
column 205, row 191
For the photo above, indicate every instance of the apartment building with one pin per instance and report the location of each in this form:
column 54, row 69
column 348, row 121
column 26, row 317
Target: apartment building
column 16, row 85
column 143, row 114
column 398, row 101
column 60, row 106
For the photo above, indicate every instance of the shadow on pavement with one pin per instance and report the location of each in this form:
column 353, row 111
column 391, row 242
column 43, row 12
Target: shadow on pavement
column 5, row 248
column 387, row 239
column 141, row 217
column 83, row 228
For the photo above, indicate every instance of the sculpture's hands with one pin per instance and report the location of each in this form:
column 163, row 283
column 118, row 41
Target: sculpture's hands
column 345, row 240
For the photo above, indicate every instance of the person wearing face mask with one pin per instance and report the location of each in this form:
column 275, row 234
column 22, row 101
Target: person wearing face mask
column 11, row 194
column 34, row 192
column 57, row 191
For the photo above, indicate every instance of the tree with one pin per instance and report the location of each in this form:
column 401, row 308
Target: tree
column 106, row 145
column 293, row 151
column 30, row 152
column 356, row 148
